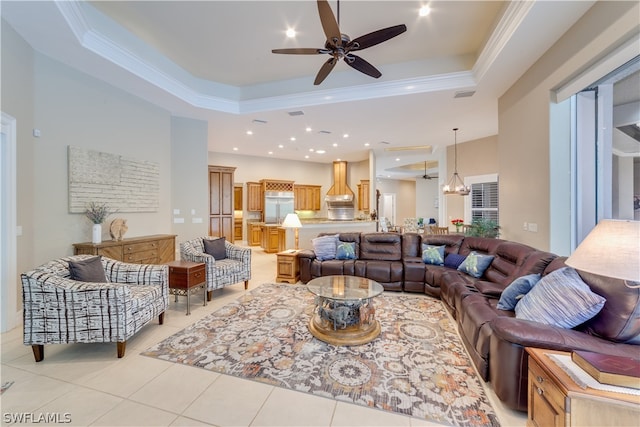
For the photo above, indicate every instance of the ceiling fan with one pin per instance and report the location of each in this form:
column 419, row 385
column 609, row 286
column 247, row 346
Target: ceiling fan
column 339, row 45
column 425, row 176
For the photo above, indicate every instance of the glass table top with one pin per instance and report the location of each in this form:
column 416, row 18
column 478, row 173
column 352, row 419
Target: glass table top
column 343, row 288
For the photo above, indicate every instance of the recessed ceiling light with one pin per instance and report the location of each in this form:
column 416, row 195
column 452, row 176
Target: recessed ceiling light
column 249, row 132
column 291, row 33
column 346, row 135
column 293, row 138
column 311, row 149
column 335, row 144
column 280, row 146
column 397, row 159
column 320, row 151
column 306, row 156
column 270, row 152
column 366, row 144
column 338, row 159
column 308, row 129
column 235, row 148
column 424, row 10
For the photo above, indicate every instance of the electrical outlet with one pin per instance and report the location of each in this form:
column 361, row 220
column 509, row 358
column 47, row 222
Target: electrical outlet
column 533, row 227
column 525, row 227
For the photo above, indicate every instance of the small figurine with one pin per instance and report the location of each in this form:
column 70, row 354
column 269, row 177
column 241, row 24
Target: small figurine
column 118, row 228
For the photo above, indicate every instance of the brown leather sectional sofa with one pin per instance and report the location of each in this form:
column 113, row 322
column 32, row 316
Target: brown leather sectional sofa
column 495, row 339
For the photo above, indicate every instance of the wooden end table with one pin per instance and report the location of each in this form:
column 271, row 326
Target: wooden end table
column 288, row 267
column 185, row 277
column 554, row 399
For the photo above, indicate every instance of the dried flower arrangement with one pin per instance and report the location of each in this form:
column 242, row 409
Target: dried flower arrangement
column 98, row 212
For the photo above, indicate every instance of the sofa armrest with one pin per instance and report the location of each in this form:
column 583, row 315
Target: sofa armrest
column 307, row 253
column 238, row 253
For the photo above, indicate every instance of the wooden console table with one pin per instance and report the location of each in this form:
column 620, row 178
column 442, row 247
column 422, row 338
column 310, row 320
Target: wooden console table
column 155, row 249
column 556, row 400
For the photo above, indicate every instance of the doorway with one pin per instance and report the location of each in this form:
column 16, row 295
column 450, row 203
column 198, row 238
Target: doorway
column 388, row 207
column 8, row 227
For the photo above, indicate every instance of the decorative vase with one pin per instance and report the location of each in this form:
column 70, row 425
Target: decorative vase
column 458, row 228
column 97, row 234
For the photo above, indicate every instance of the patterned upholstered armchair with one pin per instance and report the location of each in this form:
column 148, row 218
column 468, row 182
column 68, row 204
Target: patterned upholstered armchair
column 60, row 310
column 236, row 267
column 410, row 225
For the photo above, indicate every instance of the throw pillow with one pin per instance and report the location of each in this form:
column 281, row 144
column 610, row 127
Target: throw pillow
column 475, row 264
column 346, row 250
column 562, row 299
column 88, row 270
column 432, row 254
column 516, row 290
column 454, row 260
column 325, row 247
column 216, row 248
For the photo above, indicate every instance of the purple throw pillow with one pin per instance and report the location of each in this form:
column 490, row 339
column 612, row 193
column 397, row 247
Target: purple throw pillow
column 454, row 260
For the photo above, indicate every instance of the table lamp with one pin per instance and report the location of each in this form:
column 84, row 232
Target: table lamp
column 611, row 249
column 292, row 221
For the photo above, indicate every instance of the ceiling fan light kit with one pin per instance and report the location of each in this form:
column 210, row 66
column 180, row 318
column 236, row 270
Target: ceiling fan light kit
column 456, row 184
column 340, row 45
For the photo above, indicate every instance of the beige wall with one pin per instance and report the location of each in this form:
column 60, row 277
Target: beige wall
column 405, row 192
column 477, row 157
column 524, row 118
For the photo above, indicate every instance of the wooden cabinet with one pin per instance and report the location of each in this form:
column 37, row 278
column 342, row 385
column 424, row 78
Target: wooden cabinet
column 254, row 229
column 307, row 197
column 221, row 192
column 237, row 228
column 155, row 249
column 237, row 197
column 254, row 197
column 270, row 238
column 554, row 399
column 288, row 267
column 363, row 195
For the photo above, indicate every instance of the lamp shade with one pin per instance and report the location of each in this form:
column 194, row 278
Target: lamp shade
column 611, row 249
column 291, row 221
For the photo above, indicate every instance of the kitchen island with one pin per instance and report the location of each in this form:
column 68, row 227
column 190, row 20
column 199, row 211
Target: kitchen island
column 312, row 227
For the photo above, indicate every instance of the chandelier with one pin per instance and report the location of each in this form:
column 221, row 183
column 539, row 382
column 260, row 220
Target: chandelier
column 456, row 184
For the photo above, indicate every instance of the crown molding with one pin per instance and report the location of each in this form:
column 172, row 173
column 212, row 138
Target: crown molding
column 107, row 39
column 512, row 18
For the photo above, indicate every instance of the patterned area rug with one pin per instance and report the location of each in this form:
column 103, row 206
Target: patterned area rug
column 417, row 366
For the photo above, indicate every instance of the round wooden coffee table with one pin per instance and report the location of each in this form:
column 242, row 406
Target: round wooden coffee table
column 344, row 313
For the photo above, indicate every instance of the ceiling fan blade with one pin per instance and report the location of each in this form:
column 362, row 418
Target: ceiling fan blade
column 361, row 65
column 325, row 70
column 329, row 24
column 300, row 51
column 376, row 37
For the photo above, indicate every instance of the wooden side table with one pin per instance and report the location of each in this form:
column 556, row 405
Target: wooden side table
column 185, row 277
column 288, row 267
column 554, row 399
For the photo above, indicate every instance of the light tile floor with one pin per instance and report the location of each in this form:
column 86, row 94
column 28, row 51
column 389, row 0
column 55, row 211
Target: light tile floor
column 93, row 386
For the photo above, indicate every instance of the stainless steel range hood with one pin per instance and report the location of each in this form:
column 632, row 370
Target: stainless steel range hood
column 339, row 198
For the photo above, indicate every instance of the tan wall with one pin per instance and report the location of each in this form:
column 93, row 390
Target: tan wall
column 405, row 192
column 524, row 117
column 477, row 157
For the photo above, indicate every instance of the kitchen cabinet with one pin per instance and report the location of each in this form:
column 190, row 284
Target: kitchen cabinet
column 307, row 197
column 155, row 249
column 270, row 238
column 254, row 197
column 237, row 228
column 237, row 197
column 221, row 192
column 254, row 229
column 363, row 195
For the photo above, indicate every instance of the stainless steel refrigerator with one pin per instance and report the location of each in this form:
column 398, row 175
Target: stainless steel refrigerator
column 277, row 204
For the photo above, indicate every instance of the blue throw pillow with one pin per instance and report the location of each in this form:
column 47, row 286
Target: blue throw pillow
column 475, row 264
column 432, row 254
column 561, row 299
column 325, row 247
column 346, row 250
column 454, row 261
column 516, row 290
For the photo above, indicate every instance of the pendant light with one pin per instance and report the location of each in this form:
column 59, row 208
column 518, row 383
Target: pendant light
column 456, row 184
